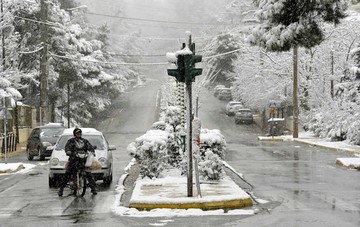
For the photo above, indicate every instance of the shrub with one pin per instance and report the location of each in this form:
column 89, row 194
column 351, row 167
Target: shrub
column 150, row 151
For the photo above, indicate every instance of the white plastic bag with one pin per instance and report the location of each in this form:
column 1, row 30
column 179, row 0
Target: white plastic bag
column 89, row 160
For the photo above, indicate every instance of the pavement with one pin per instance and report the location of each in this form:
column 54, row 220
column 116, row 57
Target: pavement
column 171, row 191
column 20, row 147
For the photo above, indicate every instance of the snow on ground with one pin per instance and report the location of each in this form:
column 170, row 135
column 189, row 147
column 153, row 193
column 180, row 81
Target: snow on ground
column 349, row 162
column 12, row 168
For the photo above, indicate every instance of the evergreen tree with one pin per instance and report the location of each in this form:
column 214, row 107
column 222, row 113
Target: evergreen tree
column 294, row 23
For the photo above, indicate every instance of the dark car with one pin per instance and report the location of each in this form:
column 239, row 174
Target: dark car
column 42, row 137
column 244, row 116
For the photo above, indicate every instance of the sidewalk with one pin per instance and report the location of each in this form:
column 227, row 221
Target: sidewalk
column 20, row 147
column 309, row 138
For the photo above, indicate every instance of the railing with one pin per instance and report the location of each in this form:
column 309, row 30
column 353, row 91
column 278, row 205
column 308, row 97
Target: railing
column 10, row 142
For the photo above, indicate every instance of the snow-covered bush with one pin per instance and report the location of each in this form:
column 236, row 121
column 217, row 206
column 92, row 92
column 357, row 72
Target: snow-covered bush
column 173, row 117
column 211, row 154
column 210, row 166
column 159, row 125
column 150, row 151
column 213, row 140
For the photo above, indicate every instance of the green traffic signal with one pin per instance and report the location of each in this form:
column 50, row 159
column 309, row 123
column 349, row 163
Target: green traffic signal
column 185, row 62
column 178, row 73
column 191, row 71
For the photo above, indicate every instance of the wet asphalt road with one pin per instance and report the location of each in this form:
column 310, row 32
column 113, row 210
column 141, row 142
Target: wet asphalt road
column 301, row 183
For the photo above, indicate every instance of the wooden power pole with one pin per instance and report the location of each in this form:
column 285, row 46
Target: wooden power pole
column 295, row 95
column 44, row 71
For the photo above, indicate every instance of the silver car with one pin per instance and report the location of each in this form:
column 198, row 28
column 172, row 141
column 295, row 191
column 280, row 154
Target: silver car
column 224, row 94
column 103, row 154
column 232, row 107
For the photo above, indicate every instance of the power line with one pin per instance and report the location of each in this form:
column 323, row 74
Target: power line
column 158, row 21
column 111, row 34
column 138, row 63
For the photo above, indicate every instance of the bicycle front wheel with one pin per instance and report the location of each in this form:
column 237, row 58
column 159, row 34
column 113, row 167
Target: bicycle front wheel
column 81, row 184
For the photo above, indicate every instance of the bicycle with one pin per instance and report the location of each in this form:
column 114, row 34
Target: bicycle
column 78, row 181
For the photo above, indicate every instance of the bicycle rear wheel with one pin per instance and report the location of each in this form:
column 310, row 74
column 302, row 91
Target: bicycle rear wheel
column 81, row 184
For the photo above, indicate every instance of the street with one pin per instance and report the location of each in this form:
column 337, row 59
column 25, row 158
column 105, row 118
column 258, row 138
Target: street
column 302, row 184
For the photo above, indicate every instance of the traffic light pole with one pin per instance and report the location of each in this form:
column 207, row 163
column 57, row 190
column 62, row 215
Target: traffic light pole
column 189, row 138
column 185, row 60
column 188, row 84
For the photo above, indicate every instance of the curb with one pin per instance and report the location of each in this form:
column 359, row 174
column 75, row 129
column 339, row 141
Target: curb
column 171, row 194
column 271, row 138
column 346, row 150
column 230, row 204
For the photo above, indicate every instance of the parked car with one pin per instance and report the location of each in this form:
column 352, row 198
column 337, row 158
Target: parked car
column 103, row 154
column 42, row 137
column 244, row 116
column 224, row 94
column 217, row 88
column 232, row 107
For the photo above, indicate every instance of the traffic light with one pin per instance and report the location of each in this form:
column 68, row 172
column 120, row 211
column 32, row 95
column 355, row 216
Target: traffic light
column 179, row 72
column 191, row 72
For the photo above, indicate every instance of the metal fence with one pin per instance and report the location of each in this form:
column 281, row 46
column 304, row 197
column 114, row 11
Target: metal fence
column 10, row 142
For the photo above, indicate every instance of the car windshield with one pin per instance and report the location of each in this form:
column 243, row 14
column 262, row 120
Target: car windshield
column 50, row 132
column 95, row 140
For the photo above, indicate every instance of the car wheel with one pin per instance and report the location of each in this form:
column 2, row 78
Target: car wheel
column 29, row 156
column 42, row 157
column 107, row 180
column 52, row 182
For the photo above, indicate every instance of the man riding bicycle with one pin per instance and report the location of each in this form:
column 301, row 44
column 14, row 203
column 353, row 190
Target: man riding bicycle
column 74, row 145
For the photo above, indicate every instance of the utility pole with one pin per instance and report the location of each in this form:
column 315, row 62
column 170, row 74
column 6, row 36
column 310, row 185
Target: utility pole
column 332, row 74
column 3, row 37
column 44, row 71
column 295, row 95
column 68, row 103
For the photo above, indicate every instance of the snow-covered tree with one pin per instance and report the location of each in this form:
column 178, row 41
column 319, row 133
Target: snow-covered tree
column 294, row 23
column 80, row 64
column 222, row 65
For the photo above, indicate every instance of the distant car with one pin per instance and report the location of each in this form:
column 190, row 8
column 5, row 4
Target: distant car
column 232, row 107
column 103, row 154
column 217, row 88
column 244, row 116
column 224, row 94
column 41, row 138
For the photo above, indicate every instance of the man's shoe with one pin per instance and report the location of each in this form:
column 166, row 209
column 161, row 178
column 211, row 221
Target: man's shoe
column 60, row 193
column 94, row 192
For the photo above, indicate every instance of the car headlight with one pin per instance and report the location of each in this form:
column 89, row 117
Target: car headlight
column 62, row 163
column 54, row 161
column 102, row 160
column 46, row 144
